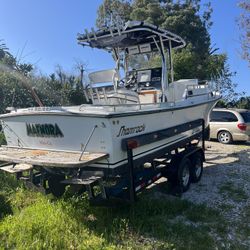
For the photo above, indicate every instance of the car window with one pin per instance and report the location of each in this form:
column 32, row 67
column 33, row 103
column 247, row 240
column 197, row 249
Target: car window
column 246, row 116
column 222, row 116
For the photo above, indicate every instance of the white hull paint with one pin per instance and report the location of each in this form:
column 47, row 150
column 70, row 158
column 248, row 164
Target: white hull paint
column 111, row 129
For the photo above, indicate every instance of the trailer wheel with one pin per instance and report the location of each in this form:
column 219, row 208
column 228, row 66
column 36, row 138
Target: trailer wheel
column 183, row 176
column 55, row 185
column 196, row 169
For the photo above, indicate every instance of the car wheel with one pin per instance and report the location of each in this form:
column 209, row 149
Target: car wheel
column 224, row 137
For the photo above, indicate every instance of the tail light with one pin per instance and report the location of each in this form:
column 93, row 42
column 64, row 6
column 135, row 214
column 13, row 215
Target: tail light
column 132, row 144
column 242, row 126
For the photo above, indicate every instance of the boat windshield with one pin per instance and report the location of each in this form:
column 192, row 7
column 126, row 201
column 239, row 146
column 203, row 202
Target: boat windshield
column 143, row 61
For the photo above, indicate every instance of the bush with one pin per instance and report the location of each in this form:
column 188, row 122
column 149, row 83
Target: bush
column 2, row 139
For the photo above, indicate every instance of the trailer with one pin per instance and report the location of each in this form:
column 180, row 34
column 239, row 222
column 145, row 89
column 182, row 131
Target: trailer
column 49, row 171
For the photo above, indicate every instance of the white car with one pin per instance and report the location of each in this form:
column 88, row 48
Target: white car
column 227, row 125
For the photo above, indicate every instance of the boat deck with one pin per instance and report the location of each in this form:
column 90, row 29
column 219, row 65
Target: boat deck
column 48, row 158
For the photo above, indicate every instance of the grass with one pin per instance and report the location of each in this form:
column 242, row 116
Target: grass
column 243, row 228
column 61, row 225
column 225, row 207
column 30, row 220
column 232, row 192
column 38, row 222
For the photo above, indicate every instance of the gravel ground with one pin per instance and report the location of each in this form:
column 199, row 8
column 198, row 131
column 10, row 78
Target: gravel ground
column 225, row 185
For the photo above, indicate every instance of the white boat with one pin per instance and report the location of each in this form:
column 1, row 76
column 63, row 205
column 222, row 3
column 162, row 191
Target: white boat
column 139, row 103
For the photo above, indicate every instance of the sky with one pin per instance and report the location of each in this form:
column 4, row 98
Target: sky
column 44, row 32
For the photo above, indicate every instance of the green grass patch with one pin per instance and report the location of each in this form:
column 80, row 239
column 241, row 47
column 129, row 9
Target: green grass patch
column 233, row 192
column 8, row 183
column 244, row 226
column 225, row 207
column 30, row 220
column 5, row 207
column 46, row 225
column 201, row 213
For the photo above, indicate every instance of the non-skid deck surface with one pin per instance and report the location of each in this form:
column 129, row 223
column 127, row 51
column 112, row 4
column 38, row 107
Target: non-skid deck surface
column 49, row 158
column 18, row 168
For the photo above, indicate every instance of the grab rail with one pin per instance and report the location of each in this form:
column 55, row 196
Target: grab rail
column 87, row 142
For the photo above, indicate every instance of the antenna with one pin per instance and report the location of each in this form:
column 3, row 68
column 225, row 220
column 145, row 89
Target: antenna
column 111, row 18
column 13, row 97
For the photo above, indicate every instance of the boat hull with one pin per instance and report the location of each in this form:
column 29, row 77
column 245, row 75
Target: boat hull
column 71, row 132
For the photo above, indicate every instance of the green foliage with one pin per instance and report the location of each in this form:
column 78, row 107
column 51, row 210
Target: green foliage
column 17, row 81
column 3, row 49
column 221, row 104
column 30, row 220
column 5, row 208
column 47, row 225
column 243, row 103
column 56, row 90
column 2, row 139
column 112, row 11
column 33, row 221
column 12, row 93
column 184, row 64
column 240, row 103
column 147, row 10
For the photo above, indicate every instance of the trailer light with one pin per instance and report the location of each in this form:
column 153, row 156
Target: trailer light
column 242, row 126
column 133, row 144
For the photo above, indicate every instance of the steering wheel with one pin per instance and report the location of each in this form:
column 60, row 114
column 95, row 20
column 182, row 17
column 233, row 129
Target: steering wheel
column 131, row 80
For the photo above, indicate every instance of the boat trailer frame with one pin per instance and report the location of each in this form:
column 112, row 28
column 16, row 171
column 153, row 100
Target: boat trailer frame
column 164, row 162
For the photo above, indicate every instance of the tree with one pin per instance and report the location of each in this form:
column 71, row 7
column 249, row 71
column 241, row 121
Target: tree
column 185, row 18
column 244, row 23
column 243, row 103
column 12, row 94
column 150, row 11
column 13, row 82
column 113, row 11
column 3, row 49
column 17, row 84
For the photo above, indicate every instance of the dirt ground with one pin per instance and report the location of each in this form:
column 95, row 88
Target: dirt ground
column 225, row 185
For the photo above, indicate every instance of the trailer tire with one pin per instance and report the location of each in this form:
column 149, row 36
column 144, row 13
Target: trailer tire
column 55, row 185
column 196, row 169
column 183, row 175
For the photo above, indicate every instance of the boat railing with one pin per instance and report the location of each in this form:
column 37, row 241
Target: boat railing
column 103, row 87
column 211, row 87
column 122, row 107
column 195, row 86
column 104, row 95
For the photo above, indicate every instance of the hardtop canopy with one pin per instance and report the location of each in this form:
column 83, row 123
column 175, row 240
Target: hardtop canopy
column 132, row 33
